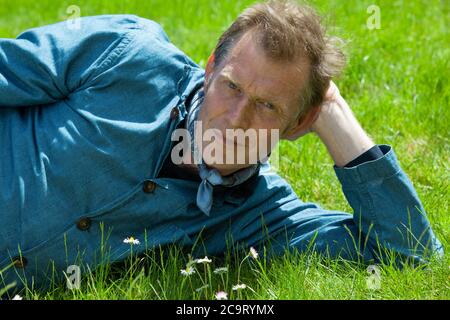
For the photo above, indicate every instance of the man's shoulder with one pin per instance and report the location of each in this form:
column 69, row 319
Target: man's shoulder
column 118, row 22
column 105, row 26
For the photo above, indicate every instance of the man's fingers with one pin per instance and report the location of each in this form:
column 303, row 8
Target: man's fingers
column 332, row 91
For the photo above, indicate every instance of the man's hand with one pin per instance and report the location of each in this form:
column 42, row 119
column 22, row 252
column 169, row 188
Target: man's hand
column 338, row 128
column 309, row 119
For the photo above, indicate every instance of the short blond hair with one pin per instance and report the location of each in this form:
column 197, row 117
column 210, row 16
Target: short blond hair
column 287, row 31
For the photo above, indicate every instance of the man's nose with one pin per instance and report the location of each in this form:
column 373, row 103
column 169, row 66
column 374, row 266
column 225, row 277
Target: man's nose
column 240, row 113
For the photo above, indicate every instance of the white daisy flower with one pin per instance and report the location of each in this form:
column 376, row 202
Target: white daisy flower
column 204, row 260
column 188, row 271
column 221, row 270
column 17, row 297
column 131, row 240
column 222, row 295
column 239, row 287
column 253, row 253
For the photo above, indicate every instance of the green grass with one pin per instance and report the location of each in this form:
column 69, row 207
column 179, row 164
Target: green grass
column 397, row 83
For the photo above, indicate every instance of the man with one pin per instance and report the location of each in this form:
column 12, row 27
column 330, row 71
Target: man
column 87, row 119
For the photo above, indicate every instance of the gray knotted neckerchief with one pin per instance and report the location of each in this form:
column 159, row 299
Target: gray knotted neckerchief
column 210, row 176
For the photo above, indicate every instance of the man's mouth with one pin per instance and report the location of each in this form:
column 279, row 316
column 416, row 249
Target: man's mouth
column 233, row 141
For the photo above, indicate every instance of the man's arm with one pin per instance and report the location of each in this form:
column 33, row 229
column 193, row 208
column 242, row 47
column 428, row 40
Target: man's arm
column 384, row 191
column 388, row 222
column 339, row 130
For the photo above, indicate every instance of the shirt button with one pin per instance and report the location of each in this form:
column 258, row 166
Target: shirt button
column 20, row 262
column 174, row 113
column 84, row 224
column 149, row 186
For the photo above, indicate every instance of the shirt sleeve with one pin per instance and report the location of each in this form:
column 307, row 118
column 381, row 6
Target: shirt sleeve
column 388, row 219
column 46, row 64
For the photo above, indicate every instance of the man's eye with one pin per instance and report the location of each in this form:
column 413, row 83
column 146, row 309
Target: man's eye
column 267, row 105
column 232, row 86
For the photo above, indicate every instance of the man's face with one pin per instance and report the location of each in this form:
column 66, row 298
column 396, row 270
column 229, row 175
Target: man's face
column 250, row 91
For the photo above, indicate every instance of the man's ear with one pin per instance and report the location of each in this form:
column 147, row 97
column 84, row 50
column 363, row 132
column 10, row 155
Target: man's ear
column 302, row 125
column 209, row 68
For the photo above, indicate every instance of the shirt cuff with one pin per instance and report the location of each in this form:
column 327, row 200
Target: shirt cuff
column 373, row 153
column 385, row 166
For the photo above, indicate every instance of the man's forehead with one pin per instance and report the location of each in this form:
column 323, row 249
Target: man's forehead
column 276, row 82
column 248, row 58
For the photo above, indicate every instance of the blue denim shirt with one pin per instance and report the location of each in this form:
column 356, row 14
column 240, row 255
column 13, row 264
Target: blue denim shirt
column 86, row 118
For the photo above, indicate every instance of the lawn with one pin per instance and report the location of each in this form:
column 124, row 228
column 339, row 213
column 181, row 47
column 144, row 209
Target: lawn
column 397, row 83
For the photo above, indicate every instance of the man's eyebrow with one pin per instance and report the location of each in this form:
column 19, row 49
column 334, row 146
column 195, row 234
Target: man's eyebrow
column 228, row 77
column 272, row 100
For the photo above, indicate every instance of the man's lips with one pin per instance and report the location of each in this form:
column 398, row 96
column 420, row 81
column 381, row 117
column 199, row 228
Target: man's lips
column 227, row 140
column 233, row 141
